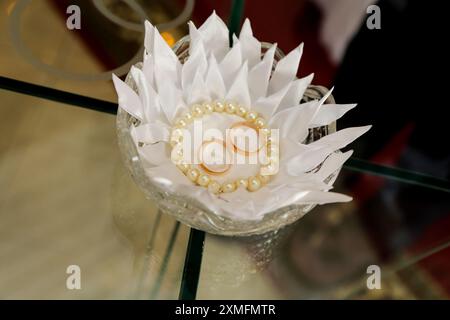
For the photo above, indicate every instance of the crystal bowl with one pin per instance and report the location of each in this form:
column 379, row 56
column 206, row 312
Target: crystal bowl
column 188, row 210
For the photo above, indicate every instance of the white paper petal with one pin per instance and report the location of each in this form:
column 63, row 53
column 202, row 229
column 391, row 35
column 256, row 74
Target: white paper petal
column 171, row 100
column 251, row 47
column 198, row 91
column 320, row 197
column 341, row 138
column 149, row 37
column 303, row 183
column 149, row 69
column 168, row 175
column 166, row 64
column 195, row 38
column 268, row 105
column 253, row 205
column 333, row 163
column 295, row 92
column 329, row 113
column 231, row 64
column 259, row 75
column 196, row 63
column 239, row 89
column 128, row 99
column 214, row 80
column 312, row 185
column 151, row 133
column 290, row 148
column 246, row 203
column 286, row 70
column 214, row 24
column 320, row 150
column 154, row 154
column 215, row 36
column 294, row 122
column 147, row 95
column 307, row 160
column 296, row 171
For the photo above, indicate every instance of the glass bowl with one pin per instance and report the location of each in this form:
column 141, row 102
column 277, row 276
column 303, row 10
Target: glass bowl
column 188, row 210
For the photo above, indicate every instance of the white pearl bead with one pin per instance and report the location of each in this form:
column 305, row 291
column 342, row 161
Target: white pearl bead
column 177, row 133
column 176, row 137
column 260, row 122
column 270, row 169
column 188, row 117
column 208, row 108
column 228, row 187
column 180, row 123
column 273, row 155
column 241, row 111
column 219, row 106
column 214, row 187
column 242, row 183
column 264, row 131
column 264, row 179
column 192, row 174
column 197, row 110
column 203, row 180
column 230, row 107
column 274, row 148
column 183, row 167
column 252, row 115
column 178, row 154
column 253, row 184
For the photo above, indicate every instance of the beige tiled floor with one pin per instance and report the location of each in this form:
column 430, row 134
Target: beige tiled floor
column 65, row 197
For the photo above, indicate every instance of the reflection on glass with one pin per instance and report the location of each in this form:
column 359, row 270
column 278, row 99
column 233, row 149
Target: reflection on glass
column 326, row 254
column 66, row 199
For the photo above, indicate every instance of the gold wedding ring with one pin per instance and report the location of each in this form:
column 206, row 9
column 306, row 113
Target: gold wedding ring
column 236, row 148
column 214, row 169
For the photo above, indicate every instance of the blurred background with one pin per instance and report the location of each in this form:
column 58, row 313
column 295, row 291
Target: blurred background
column 66, row 198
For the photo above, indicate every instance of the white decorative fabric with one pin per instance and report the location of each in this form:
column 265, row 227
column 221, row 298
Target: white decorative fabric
column 166, row 89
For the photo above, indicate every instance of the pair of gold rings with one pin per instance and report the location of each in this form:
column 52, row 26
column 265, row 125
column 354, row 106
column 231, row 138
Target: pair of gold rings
column 233, row 141
column 251, row 119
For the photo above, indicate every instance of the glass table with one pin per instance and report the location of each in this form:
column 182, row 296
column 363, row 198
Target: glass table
column 66, row 199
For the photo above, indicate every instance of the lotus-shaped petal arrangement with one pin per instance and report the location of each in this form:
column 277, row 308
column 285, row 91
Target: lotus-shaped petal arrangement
column 223, row 88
